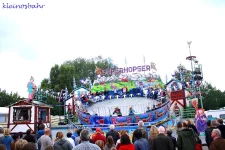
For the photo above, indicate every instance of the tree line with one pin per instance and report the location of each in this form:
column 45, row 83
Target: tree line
column 61, row 76
column 8, row 98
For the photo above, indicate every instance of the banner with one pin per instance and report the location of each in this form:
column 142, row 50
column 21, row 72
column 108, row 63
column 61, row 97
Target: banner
column 126, row 70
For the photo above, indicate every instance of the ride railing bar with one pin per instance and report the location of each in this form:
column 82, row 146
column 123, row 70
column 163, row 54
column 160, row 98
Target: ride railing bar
column 128, row 125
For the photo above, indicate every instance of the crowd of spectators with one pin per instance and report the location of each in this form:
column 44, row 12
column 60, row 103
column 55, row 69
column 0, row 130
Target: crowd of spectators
column 160, row 138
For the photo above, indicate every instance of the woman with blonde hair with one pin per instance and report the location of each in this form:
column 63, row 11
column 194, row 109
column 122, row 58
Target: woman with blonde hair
column 192, row 125
column 20, row 144
column 61, row 143
column 7, row 139
column 153, row 134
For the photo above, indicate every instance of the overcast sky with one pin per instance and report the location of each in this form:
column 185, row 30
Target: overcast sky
column 32, row 41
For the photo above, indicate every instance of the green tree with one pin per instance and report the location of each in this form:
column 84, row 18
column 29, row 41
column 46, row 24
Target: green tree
column 65, row 77
column 56, row 110
column 6, row 99
column 45, row 84
column 54, row 74
column 80, row 68
column 213, row 98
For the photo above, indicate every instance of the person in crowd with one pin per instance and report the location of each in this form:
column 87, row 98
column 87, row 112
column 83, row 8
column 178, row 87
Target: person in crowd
column 77, row 139
column 109, row 143
column 186, row 138
column 2, row 147
column 29, row 137
column 218, row 142
column 74, row 135
column 210, row 126
column 100, row 144
column 162, row 142
column 169, row 134
column 39, row 123
column 148, row 109
column 117, row 111
column 69, row 138
column 1, row 132
column 144, row 132
column 20, row 135
column 7, row 139
column 40, row 133
column 45, row 140
column 85, row 144
column 153, row 134
column 192, row 126
column 49, row 147
column 56, row 137
column 15, row 139
column 179, row 127
column 115, row 135
column 61, row 143
column 29, row 146
column 140, row 142
column 126, row 143
column 221, row 127
column 118, row 142
column 131, row 111
column 98, row 136
column 20, row 144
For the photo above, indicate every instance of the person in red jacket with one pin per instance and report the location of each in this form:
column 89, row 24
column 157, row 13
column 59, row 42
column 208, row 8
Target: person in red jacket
column 98, row 136
column 126, row 143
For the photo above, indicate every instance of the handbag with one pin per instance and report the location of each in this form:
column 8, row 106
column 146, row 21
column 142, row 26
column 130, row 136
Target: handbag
column 198, row 141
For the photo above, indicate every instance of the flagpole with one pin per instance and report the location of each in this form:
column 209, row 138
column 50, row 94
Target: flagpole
column 144, row 62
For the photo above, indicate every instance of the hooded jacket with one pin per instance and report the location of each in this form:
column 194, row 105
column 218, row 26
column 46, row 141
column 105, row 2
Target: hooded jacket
column 62, row 144
column 186, row 140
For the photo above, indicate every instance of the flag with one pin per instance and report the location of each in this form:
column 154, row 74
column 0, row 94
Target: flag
column 153, row 66
column 144, row 59
column 194, row 102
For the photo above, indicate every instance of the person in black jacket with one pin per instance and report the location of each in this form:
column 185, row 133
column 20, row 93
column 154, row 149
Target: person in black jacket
column 144, row 132
column 29, row 138
column 115, row 135
column 162, row 142
column 221, row 127
column 210, row 126
column 169, row 134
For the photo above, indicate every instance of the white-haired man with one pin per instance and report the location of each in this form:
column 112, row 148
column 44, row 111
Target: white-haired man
column 85, row 144
column 162, row 142
column 218, row 142
column 144, row 132
column 113, row 133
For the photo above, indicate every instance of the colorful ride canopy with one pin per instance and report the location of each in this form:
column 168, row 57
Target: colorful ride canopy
column 130, row 81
